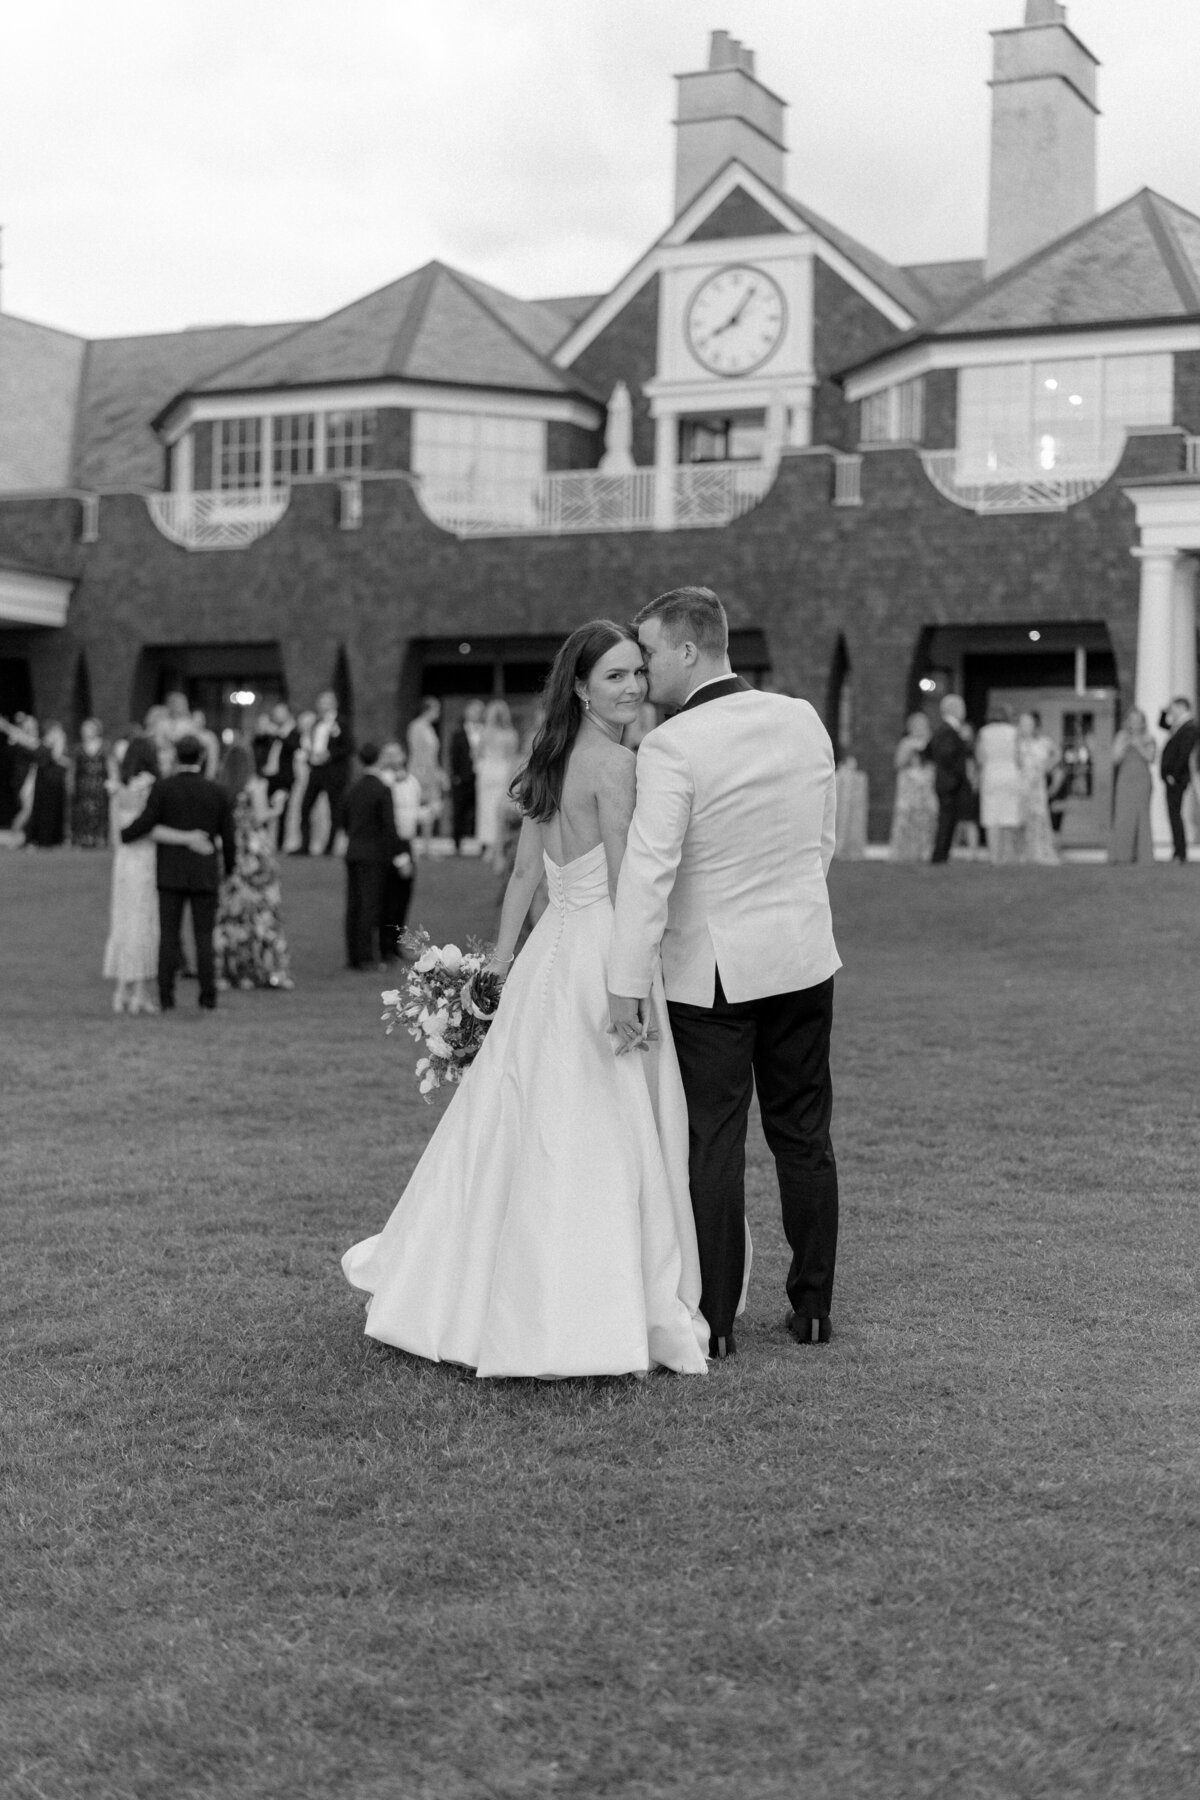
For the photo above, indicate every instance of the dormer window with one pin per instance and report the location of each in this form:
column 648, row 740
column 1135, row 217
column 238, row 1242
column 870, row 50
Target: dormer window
column 293, row 445
column 237, row 454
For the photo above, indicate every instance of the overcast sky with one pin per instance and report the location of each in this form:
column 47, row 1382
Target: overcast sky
column 173, row 162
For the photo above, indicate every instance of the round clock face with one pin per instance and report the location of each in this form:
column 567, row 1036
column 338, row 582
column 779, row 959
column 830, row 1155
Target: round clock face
column 735, row 320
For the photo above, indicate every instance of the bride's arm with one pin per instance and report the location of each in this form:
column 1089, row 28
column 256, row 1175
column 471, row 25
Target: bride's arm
column 616, row 791
column 522, row 885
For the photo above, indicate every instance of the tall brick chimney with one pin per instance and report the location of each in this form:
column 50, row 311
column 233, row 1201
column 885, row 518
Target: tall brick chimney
column 725, row 111
column 1043, row 165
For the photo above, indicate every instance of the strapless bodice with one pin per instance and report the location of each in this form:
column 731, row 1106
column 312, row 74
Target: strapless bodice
column 581, row 882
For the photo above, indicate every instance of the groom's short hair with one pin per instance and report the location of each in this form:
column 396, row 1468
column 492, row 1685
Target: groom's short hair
column 189, row 752
column 690, row 615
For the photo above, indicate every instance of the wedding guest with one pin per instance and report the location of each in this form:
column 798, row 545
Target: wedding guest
column 46, row 824
column 915, row 811
column 373, row 846
column 495, row 766
column 188, row 802
column 999, row 783
column 850, row 813
column 949, row 754
column 160, row 729
column 18, row 746
column 1133, row 752
column 1037, row 758
column 131, row 952
column 425, row 762
column 463, row 740
column 330, row 748
column 398, row 885
column 281, row 745
column 1176, row 766
column 89, row 789
column 211, row 742
column 291, row 838
column 248, row 942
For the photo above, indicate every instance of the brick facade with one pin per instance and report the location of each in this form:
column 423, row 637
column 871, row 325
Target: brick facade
column 805, row 572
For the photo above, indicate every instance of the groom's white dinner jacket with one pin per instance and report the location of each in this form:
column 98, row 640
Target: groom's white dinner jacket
column 731, row 840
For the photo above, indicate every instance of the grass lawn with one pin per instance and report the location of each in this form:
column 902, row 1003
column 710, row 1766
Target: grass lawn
column 247, row 1553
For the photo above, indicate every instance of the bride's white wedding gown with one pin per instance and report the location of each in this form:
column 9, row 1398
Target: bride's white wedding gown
column 547, row 1230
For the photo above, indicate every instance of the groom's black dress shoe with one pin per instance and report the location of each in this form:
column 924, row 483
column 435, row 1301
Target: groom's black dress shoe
column 721, row 1347
column 801, row 1326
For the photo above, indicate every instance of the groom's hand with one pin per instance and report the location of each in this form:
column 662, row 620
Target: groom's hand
column 627, row 1023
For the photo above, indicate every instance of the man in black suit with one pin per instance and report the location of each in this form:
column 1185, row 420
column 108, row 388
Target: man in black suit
column 948, row 753
column 373, row 846
column 1176, row 766
column 462, row 774
column 188, row 802
column 330, row 747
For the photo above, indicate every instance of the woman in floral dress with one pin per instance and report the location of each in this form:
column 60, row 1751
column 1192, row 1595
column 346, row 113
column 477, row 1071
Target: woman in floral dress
column 914, row 815
column 251, row 950
column 89, row 789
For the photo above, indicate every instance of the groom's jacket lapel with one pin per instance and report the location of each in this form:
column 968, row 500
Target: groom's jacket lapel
column 716, row 690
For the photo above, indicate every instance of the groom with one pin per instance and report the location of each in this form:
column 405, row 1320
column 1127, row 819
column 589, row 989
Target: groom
column 725, row 868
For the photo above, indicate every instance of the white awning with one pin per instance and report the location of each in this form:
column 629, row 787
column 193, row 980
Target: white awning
column 32, row 599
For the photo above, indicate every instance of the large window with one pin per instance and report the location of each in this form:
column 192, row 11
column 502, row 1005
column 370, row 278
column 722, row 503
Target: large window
column 1065, row 416
column 349, row 440
column 237, row 453
column 293, row 446
column 479, row 454
column 896, row 416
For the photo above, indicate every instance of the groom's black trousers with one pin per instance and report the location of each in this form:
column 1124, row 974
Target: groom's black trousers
column 779, row 1044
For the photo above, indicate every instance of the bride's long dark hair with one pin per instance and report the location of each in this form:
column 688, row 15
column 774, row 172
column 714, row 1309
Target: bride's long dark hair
column 537, row 787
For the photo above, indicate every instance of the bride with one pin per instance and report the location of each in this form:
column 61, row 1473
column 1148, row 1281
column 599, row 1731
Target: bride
column 547, row 1230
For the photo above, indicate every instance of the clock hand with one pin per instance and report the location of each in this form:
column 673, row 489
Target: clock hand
column 734, row 316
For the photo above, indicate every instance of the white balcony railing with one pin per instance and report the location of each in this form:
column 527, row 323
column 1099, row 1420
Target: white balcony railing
column 212, row 520
column 700, row 495
column 1010, row 491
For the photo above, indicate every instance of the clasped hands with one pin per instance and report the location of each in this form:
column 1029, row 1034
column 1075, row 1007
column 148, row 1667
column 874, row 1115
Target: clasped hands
column 629, row 1024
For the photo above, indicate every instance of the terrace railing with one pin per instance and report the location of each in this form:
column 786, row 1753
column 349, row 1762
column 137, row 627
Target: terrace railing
column 1009, row 491
column 695, row 496
column 218, row 520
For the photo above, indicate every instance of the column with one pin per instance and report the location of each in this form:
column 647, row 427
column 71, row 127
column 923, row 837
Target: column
column 182, row 474
column 1183, row 646
column 666, row 443
column 1152, row 687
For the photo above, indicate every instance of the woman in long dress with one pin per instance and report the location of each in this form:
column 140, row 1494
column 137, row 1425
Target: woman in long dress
column 999, row 784
column 1133, row 753
column 495, row 763
column 915, row 813
column 1037, row 756
column 131, row 953
column 547, row 1230
column 248, row 942
column 89, row 789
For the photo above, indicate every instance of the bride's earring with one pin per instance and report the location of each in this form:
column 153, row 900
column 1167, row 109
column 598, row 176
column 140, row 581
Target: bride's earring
column 585, row 703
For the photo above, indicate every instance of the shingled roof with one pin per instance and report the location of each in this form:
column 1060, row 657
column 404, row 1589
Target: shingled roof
column 1138, row 261
column 126, row 381
column 434, row 325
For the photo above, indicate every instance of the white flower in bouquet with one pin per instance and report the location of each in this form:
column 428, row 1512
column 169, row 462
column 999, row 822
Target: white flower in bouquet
column 440, row 1009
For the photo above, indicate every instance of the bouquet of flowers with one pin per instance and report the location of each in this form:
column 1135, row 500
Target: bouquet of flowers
column 446, row 1004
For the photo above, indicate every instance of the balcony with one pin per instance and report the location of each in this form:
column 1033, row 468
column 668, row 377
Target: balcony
column 1010, row 491
column 698, row 496
column 212, row 520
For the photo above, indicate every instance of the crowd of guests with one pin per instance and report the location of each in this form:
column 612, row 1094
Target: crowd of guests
column 1002, row 791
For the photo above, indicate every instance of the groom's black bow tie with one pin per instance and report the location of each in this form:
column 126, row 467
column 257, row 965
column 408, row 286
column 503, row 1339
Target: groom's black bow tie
column 716, row 690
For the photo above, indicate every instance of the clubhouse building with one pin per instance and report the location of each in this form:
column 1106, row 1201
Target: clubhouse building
column 980, row 476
